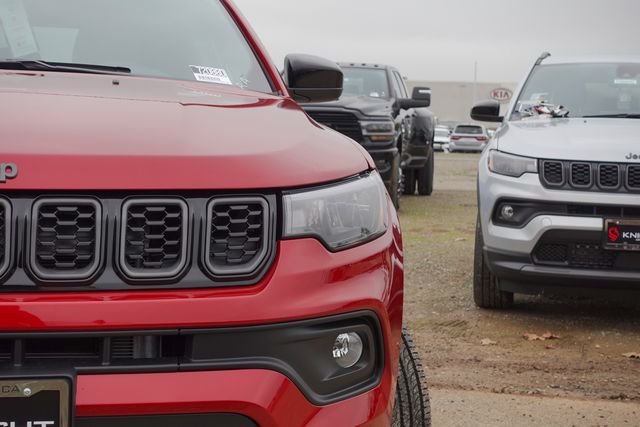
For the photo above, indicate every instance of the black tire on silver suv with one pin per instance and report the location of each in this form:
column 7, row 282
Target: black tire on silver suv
column 485, row 285
column 412, row 408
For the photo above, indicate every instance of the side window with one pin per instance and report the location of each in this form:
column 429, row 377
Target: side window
column 400, row 82
column 397, row 91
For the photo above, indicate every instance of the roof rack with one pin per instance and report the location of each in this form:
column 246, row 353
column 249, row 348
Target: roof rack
column 542, row 57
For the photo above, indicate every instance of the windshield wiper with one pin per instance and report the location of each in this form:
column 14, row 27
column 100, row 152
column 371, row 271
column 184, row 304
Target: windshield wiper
column 614, row 116
column 33, row 64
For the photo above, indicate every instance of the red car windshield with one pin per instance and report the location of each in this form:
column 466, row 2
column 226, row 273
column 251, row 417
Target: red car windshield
column 194, row 40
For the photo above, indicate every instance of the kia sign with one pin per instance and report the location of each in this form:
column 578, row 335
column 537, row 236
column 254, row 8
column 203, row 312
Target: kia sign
column 501, row 95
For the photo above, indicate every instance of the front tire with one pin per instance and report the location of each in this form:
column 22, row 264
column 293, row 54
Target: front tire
column 412, row 408
column 425, row 177
column 395, row 189
column 485, row 284
column 410, row 182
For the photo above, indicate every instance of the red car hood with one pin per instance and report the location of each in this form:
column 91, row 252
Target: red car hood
column 82, row 132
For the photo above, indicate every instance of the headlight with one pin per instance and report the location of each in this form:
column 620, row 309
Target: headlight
column 510, row 165
column 378, row 127
column 382, row 131
column 340, row 216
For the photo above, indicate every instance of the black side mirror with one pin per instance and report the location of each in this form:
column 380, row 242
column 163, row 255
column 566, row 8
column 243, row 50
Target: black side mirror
column 312, row 79
column 421, row 98
column 422, row 94
column 487, row 111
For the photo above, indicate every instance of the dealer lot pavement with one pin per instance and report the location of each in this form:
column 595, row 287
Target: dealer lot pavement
column 582, row 378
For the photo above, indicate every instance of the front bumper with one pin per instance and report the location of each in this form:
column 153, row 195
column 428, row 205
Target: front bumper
column 386, row 160
column 583, row 268
column 306, row 282
column 267, row 398
column 475, row 147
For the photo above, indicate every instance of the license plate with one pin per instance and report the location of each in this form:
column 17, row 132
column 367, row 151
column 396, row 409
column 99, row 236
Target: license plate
column 35, row 403
column 622, row 235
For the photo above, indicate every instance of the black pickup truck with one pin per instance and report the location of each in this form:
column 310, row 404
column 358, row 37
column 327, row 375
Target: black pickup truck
column 397, row 130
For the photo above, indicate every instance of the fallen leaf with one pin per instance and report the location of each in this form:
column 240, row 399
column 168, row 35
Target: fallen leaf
column 598, row 346
column 487, row 341
column 550, row 347
column 461, row 239
column 632, row 355
column 532, row 337
column 550, row 336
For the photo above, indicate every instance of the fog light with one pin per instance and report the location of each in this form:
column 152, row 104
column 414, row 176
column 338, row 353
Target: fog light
column 507, row 212
column 347, row 349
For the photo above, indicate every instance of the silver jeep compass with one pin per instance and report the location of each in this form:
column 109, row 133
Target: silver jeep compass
column 559, row 184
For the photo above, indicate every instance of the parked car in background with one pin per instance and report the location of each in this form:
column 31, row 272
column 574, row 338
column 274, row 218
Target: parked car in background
column 468, row 138
column 396, row 128
column 179, row 244
column 441, row 138
column 558, row 185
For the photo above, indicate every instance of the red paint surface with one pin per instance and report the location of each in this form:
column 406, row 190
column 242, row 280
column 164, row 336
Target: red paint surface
column 82, row 132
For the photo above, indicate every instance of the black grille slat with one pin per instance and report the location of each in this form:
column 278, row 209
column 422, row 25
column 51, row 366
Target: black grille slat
column 609, row 176
column 66, row 238
column 3, row 236
column 154, row 241
column 553, row 172
column 581, row 175
column 345, row 123
column 237, row 235
column 633, row 177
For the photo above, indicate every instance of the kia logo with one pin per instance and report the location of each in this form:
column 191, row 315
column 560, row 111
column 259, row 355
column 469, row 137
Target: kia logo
column 8, row 171
column 614, row 234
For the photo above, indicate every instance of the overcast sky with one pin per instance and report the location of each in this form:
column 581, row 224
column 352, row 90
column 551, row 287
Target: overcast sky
column 440, row 40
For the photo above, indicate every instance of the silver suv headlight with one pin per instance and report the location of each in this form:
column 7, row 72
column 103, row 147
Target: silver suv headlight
column 510, row 165
column 340, row 216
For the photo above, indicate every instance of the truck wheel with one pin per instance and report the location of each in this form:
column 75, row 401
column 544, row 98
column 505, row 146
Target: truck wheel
column 409, row 182
column 425, row 178
column 412, row 408
column 485, row 285
column 395, row 189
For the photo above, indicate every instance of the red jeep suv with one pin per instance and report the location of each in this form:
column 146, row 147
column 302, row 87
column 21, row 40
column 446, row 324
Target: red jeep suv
column 180, row 244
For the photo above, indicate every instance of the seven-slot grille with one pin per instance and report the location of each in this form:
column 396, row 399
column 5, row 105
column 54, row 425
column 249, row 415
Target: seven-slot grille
column 5, row 216
column 345, row 123
column 237, row 230
column 110, row 243
column 590, row 176
column 154, row 238
column 66, row 236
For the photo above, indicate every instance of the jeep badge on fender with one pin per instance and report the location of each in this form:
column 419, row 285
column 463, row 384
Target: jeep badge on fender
column 8, row 171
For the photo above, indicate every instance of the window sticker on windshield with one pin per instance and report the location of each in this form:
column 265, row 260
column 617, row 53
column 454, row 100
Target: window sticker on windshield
column 16, row 28
column 626, row 82
column 210, row 75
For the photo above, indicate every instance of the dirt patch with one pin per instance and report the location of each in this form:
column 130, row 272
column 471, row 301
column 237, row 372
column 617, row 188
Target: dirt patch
column 586, row 362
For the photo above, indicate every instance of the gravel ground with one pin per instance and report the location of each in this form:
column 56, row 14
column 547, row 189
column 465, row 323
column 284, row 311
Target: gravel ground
column 585, row 365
